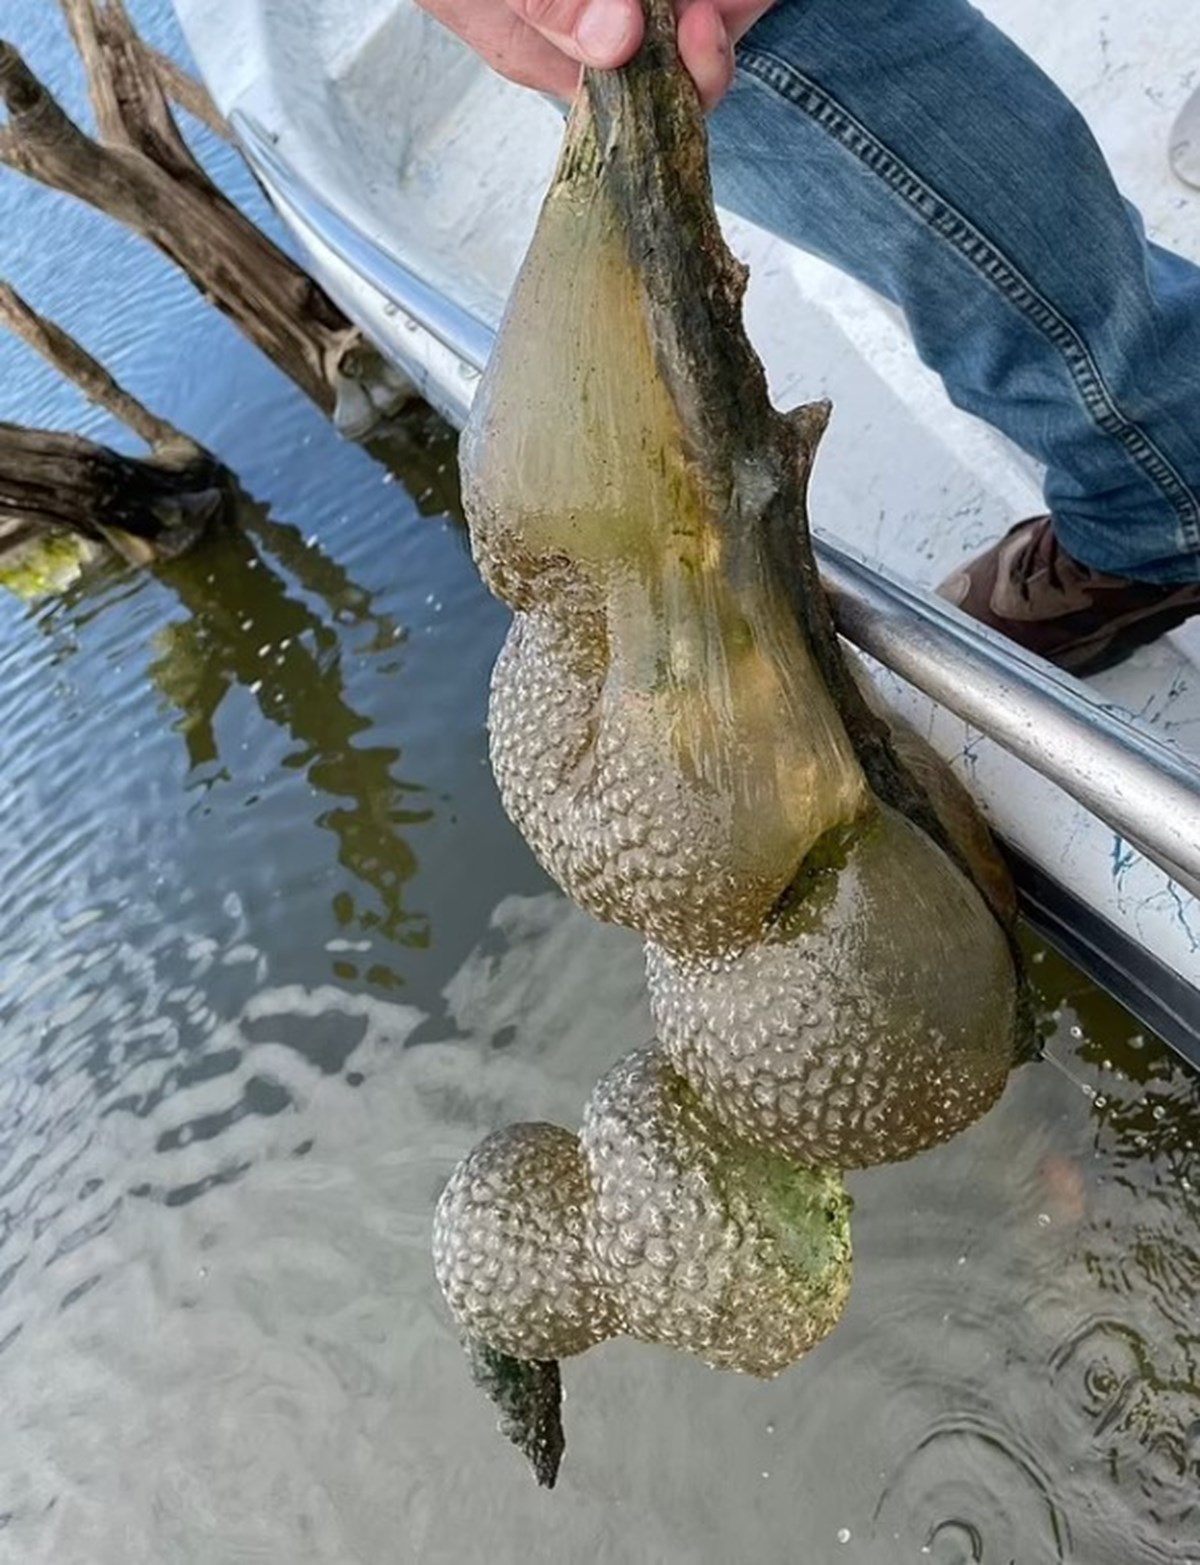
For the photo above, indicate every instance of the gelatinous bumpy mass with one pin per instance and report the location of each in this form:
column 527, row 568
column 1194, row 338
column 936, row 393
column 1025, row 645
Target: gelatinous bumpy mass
column 830, row 990
column 874, row 1019
column 653, row 1223
column 656, row 783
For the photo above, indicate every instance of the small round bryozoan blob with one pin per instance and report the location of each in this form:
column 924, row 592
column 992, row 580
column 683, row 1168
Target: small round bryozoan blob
column 877, row 1021
column 707, row 1243
column 509, row 1245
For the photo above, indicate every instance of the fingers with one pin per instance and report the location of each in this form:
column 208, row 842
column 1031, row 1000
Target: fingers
column 705, row 49
column 543, row 43
column 530, row 60
column 740, row 15
column 602, row 33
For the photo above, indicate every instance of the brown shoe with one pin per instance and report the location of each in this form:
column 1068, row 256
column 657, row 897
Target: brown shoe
column 1028, row 587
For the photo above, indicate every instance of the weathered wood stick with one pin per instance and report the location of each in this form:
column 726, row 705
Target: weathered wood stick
column 117, row 58
column 77, row 364
column 188, row 93
column 141, row 172
column 127, row 94
column 146, row 509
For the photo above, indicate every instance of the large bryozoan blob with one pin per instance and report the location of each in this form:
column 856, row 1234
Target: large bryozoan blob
column 675, row 730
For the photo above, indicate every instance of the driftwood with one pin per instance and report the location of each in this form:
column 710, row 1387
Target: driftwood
column 74, row 361
column 187, row 92
column 140, row 171
column 146, row 509
column 51, row 482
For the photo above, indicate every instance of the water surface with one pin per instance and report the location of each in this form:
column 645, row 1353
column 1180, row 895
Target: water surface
column 271, row 959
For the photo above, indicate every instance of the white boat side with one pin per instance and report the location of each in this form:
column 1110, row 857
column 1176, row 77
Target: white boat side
column 411, row 177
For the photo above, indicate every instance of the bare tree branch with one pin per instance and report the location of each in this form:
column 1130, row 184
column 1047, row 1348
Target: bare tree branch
column 186, row 216
column 39, row 134
column 128, row 100
column 141, row 172
column 77, row 364
column 188, row 93
column 145, row 509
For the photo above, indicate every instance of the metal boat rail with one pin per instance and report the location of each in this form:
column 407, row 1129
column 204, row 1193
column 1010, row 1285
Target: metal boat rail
column 1144, row 789
column 1147, row 791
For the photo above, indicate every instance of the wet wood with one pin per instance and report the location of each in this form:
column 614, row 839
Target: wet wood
column 146, row 508
column 77, row 364
column 139, row 170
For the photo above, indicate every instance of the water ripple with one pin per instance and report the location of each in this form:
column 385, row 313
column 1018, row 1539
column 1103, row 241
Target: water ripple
column 966, row 1494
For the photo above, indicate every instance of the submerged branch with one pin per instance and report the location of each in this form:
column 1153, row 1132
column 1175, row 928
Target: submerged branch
column 77, row 364
column 141, row 173
column 146, row 509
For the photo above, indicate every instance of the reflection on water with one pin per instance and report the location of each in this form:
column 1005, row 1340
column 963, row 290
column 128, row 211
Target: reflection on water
column 271, row 960
column 245, row 627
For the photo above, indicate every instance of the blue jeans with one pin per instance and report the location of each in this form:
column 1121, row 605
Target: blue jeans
column 914, row 146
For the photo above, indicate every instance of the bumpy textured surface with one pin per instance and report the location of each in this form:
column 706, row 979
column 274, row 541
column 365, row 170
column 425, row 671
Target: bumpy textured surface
column 740, row 1258
column 829, row 988
column 654, row 1223
column 509, row 1248
column 877, row 1022
column 658, row 729
column 655, row 770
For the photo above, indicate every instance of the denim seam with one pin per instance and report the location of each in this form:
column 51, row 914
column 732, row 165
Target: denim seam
column 944, row 219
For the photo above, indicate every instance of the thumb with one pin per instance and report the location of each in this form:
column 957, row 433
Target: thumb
column 601, row 33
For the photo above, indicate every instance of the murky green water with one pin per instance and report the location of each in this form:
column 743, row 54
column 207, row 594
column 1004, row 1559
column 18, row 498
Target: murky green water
column 271, row 959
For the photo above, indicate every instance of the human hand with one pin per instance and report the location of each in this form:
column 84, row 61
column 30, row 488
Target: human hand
column 544, row 43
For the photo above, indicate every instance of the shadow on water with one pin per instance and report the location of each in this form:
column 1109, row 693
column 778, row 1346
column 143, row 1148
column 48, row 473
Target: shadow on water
column 154, row 996
column 272, row 615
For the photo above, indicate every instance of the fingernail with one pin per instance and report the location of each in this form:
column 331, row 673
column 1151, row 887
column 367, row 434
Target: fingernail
column 603, row 32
